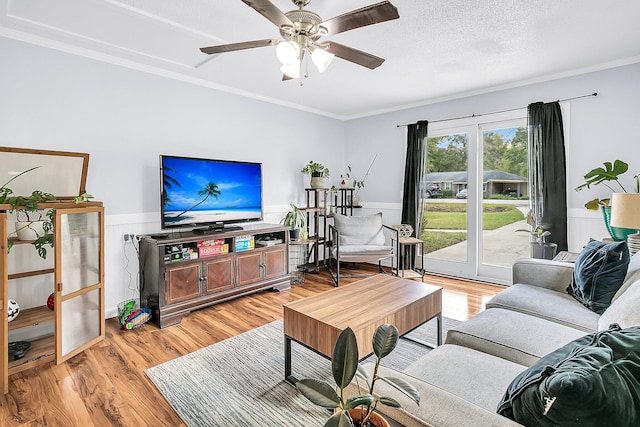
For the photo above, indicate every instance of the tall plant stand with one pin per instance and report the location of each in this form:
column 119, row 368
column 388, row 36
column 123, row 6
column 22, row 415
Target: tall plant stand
column 316, row 209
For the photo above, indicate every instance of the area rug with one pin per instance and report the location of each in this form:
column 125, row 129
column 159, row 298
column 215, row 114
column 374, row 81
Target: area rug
column 240, row 381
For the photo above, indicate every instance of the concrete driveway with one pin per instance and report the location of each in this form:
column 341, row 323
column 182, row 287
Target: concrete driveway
column 500, row 247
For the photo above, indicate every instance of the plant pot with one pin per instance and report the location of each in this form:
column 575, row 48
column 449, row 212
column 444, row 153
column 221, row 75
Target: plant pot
column 29, row 230
column 317, row 180
column 617, row 233
column 294, row 234
column 356, row 200
column 345, row 183
column 376, row 419
column 543, row 250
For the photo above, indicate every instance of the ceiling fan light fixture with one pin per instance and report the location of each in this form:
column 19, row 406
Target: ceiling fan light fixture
column 322, row 59
column 291, row 69
column 288, row 52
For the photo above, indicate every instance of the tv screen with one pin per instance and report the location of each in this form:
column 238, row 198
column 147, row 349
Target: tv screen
column 209, row 192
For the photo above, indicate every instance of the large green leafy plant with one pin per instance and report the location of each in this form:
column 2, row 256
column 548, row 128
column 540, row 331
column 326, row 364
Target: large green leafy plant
column 603, row 175
column 344, row 366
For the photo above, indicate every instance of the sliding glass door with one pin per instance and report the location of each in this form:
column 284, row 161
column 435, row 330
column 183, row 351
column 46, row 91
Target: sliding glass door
column 480, row 167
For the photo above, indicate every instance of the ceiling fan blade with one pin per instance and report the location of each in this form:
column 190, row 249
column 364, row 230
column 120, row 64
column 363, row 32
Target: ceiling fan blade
column 353, row 55
column 269, row 11
column 238, row 46
column 374, row 14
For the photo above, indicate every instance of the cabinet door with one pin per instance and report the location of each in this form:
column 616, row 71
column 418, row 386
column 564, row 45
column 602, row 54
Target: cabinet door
column 219, row 275
column 183, row 282
column 249, row 267
column 79, row 278
column 275, row 262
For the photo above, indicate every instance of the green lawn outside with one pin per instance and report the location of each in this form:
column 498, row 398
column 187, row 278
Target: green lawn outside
column 453, row 216
column 434, row 240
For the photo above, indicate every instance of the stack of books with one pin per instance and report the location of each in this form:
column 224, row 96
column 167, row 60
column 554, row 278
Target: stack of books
column 244, row 243
column 212, row 247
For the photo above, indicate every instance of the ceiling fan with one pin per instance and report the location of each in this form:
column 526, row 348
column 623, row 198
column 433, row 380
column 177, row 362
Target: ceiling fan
column 301, row 31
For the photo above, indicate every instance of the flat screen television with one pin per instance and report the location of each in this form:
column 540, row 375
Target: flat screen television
column 210, row 193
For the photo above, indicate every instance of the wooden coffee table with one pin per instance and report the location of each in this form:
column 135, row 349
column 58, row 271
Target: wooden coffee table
column 316, row 321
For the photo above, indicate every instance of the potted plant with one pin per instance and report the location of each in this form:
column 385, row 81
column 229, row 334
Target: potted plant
column 345, row 178
column 540, row 248
column 334, row 200
column 295, row 219
column 357, row 411
column 359, row 184
column 31, row 223
column 318, row 172
column 603, row 175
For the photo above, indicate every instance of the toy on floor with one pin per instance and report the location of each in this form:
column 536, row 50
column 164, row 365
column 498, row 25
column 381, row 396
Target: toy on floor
column 131, row 317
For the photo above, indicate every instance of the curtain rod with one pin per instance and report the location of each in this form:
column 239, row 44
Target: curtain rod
column 502, row 111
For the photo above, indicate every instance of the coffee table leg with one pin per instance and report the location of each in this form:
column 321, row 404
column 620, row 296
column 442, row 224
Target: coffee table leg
column 287, row 361
column 439, row 337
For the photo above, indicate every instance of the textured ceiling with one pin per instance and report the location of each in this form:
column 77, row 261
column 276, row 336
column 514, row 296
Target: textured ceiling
column 437, row 49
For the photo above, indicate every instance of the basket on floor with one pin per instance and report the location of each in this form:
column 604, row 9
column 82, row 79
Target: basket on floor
column 131, row 316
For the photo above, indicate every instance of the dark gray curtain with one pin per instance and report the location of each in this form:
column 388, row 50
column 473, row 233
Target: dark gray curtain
column 547, row 170
column 413, row 171
column 412, row 200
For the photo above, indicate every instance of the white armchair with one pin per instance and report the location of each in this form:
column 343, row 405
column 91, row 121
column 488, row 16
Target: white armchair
column 359, row 239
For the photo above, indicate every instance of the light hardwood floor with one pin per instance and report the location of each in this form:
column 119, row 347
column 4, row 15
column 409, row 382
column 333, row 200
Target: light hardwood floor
column 106, row 385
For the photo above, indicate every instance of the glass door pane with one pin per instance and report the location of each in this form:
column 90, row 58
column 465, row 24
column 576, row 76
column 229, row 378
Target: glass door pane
column 504, row 197
column 444, row 188
column 80, row 251
column 80, row 320
column 79, row 280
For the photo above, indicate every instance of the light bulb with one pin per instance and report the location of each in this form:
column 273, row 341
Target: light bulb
column 292, row 69
column 287, row 52
column 322, row 59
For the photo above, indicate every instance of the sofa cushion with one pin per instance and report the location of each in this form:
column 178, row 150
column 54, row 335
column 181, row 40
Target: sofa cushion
column 438, row 407
column 477, row 377
column 512, row 335
column 592, row 381
column 362, row 253
column 598, row 273
column 558, row 307
column 633, row 275
column 360, row 230
column 623, row 311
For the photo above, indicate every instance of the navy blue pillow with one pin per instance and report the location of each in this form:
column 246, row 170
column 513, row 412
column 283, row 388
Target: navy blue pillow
column 599, row 272
column 593, row 381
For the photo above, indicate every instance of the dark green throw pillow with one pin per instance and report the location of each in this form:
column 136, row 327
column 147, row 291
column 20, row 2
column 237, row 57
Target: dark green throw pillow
column 599, row 272
column 592, row 381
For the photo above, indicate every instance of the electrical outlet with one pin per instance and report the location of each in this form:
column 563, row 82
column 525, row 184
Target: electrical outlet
column 127, row 236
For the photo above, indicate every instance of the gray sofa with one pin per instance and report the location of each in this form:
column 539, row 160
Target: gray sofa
column 462, row 382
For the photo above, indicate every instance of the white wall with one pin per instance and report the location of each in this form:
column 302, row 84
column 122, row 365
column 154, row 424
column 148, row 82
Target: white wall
column 599, row 129
column 125, row 119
